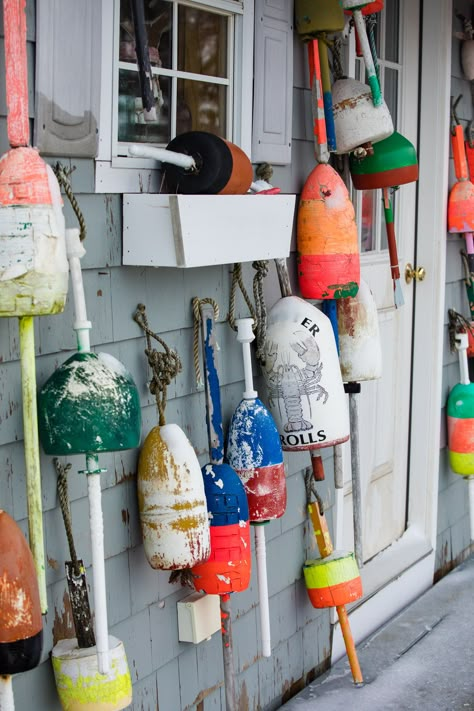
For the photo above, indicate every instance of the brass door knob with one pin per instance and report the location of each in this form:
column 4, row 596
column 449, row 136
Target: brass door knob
column 416, row 274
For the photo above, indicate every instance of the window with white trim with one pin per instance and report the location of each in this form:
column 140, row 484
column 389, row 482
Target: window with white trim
column 201, row 57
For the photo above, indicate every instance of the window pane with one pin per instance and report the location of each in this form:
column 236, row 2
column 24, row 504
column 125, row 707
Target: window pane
column 202, row 42
column 131, row 119
column 392, row 13
column 367, row 223
column 158, row 19
column 391, row 93
column 201, row 107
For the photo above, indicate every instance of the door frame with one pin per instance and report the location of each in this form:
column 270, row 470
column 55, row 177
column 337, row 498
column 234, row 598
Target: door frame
column 405, row 570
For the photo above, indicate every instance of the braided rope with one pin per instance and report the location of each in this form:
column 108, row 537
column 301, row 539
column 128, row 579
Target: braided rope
column 62, row 177
column 469, row 276
column 338, row 67
column 261, row 271
column 165, row 366
column 65, row 510
column 196, row 323
column 237, row 280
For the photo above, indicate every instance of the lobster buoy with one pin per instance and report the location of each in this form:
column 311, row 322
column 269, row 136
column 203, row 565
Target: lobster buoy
column 303, row 378
column 254, row 448
column 328, row 252
column 221, row 167
column 80, row 686
column 89, row 404
column 171, row 500
column 21, row 627
column 461, row 197
column 360, row 349
column 392, row 162
column 33, row 264
column 229, row 564
column 333, row 581
column 357, row 120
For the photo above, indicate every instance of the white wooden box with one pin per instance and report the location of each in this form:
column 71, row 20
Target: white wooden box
column 199, row 616
column 200, row 230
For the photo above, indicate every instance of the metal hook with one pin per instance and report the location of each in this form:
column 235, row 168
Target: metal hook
column 454, row 116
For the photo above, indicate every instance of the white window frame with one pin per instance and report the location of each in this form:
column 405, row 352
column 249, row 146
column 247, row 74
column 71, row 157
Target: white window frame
column 116, row 174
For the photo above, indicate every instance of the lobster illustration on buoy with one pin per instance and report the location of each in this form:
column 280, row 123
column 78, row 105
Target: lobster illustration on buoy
column 254, row 451
column 33, row 264
column 21, row 625
column 303, row 378
column 171, row 497
column 327, row 241
column 90, row 405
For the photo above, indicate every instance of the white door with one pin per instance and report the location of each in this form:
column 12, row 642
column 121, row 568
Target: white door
column 384, row 404
column 400, row 415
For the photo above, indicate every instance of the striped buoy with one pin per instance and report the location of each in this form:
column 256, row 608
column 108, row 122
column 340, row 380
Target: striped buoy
column 327, row 241
column 460, row 414
column 229, row 565
column 334, row 580
column 171, row 501
column 221, row 167
column 303, row 377
column 392, row 162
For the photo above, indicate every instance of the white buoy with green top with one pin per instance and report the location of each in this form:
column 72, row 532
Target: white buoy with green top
column 90, row 405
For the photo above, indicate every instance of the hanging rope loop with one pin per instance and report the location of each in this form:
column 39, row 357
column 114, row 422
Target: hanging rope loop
column 165, row 366
column 237, row 281
column 63, row 496
column 63, row 179
column 196, row 323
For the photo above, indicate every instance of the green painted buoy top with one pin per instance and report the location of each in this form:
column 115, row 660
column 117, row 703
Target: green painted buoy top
column 461, row 401
column 393, row 162
column 89, row 404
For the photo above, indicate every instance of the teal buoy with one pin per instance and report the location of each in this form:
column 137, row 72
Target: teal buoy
column 89, row 405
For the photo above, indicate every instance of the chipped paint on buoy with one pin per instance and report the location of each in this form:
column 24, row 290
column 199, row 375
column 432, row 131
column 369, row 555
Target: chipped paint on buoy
column 33, row 265
column 304, row 386
column 360, row 348
column 328, row 248
column 333, row 581
column 228, row 567
column 89, row 404
column 79, row 684
column 171, row 501
column 21, row 627
column 254, row 451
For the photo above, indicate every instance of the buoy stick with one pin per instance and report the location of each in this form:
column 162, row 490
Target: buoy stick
column 6, row 693
column 216, row 451
column 32, row 459
column 262, row 576
column 75, row 251
column 327, row 95
column 462, row 341
column 372, row 80
column 16, row 72
column 470, row 484
column 317, row 103
column 356, row 485
column 245, row 336
column 181, row 160
column 349, row 644
column 392, row 249
column 98, row 563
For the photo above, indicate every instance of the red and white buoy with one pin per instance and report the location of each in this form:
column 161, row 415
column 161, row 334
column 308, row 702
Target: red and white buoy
column 254, row 451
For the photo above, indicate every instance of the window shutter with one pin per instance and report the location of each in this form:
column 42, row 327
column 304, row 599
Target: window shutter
column 68, row 77
column 273, row 81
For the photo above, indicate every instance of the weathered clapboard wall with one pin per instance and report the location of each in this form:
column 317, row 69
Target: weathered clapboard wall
column 453, row 543
column 141, row 602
